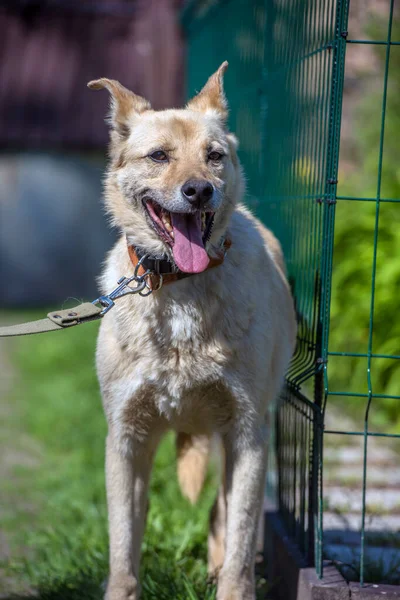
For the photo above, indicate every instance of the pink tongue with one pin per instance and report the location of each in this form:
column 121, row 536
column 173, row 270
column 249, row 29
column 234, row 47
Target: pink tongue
column 188, row 249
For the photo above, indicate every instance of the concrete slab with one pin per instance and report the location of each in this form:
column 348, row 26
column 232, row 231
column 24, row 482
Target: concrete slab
column 374, row 592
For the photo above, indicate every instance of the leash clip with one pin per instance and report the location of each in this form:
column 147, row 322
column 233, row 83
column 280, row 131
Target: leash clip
column 124, row 288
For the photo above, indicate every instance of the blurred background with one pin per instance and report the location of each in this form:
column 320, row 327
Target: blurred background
column 54, row 236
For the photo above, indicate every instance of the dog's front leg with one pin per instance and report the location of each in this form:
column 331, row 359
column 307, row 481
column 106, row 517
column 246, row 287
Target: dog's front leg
column 127, row 477
column 245, row 472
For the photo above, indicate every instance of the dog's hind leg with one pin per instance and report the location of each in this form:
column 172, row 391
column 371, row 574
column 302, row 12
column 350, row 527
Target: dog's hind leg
column 245, row 477
column 127, row 477
column 192, row 454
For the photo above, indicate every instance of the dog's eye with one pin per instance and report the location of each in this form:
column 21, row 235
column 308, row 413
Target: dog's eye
column 159, row 156
column 215, row 156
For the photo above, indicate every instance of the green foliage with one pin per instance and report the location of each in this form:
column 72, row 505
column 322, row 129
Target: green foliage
column 353, row 255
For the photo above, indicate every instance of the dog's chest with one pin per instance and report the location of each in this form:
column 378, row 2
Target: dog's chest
column 181, row 365
column 182, row 335
column 187, row 345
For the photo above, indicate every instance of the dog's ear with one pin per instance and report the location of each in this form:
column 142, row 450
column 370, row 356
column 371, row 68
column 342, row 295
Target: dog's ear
column 124, row 104
column 212, row 96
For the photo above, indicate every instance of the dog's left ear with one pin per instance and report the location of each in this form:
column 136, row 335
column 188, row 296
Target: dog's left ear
column 212, row 96
column 124, row 104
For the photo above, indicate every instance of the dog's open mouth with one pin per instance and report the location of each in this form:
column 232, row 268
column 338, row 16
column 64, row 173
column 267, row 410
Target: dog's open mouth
column 186, row 234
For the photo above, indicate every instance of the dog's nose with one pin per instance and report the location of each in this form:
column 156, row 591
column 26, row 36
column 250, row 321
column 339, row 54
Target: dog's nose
column 197, row 191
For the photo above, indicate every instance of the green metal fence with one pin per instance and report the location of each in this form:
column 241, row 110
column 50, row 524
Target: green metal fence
column 285, row 88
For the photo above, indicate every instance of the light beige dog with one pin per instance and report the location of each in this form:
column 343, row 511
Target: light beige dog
column 204, row 355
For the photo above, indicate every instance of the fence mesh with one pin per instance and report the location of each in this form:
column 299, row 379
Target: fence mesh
column 285, row 89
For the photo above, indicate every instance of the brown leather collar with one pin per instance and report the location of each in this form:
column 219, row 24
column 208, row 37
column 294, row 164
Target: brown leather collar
column 164, row 272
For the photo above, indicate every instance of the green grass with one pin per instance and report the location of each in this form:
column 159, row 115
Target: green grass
column 57, row 403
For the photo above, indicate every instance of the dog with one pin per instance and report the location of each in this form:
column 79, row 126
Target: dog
column 204, row 355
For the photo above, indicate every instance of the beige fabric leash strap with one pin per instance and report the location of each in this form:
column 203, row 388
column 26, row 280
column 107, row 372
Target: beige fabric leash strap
column 56, row 320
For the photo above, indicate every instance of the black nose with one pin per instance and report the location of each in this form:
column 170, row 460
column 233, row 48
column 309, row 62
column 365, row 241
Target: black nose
column 197, row 191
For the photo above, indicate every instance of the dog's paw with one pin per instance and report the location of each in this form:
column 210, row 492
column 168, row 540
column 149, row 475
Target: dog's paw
column 122, row 587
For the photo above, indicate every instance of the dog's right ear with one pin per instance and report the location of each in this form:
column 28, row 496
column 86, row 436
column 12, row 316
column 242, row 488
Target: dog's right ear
column 124, row 104
column 212, row 96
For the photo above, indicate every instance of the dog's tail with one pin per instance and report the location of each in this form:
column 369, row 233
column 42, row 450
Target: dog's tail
column 193, row 452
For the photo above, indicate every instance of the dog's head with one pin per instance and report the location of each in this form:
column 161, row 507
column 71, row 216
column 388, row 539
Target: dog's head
column 174, row 176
